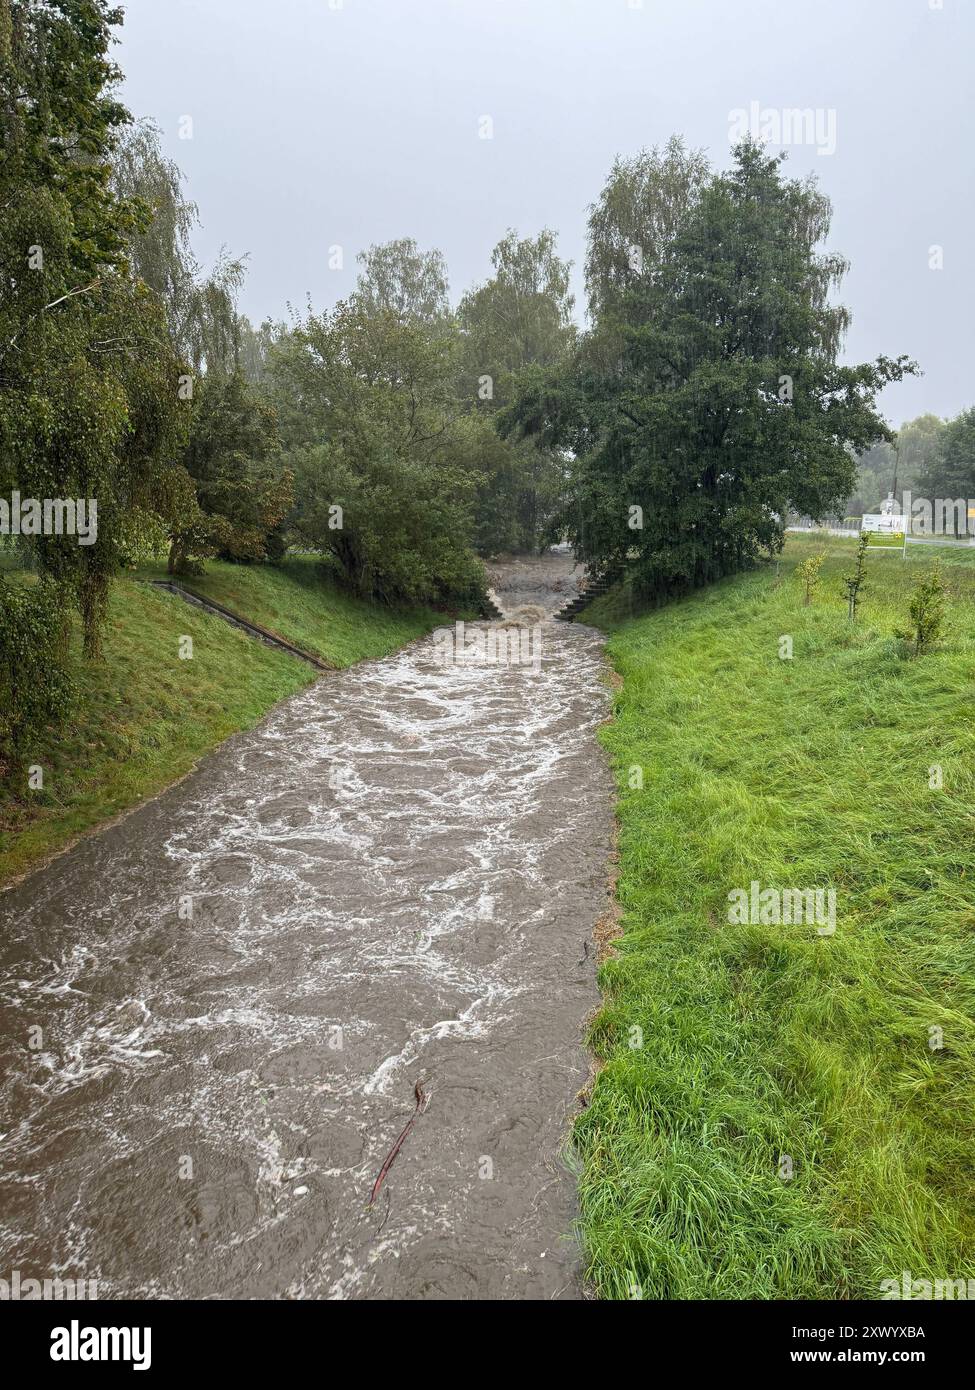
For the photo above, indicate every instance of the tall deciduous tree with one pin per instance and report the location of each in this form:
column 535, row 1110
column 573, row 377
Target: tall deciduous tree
column 200, row 305
column 398, row 278
column 521, row 316
column 643, row 205
column 518, row 322
column 722, row 405
column 88, row 377
column 233, row 457
column 373, row 428
column 949, row 472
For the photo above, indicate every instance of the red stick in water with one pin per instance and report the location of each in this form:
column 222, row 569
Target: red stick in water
column 421, row 1100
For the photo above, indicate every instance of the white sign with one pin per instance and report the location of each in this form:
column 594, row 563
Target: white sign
column 885, row 522
column 886, row 530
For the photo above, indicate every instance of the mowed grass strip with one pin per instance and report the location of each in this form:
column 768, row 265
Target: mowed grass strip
column 298, row 601
column 733, row 1054
column 144, row 716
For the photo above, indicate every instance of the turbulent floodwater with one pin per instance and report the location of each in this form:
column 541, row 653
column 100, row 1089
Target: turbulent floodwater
column 392, row 880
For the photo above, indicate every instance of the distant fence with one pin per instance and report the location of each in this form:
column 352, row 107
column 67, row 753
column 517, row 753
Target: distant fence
column 828, row 528
column 844, row 528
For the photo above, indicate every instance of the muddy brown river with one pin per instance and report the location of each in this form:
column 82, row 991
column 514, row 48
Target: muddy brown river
column 215, row 1012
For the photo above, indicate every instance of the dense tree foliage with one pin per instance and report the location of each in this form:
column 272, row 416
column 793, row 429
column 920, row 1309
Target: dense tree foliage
column 708, row 401
column 949, row 471
column 643, row 205
column 890, row 466
column 242, row 495
column 387, row 408
column 255, row 346
column 517, row 323
column 395, row 434
column 371, row 426
column 35, row 690
column 225, row 491
column 399, row 279
column 520, row 317
column 88, row 378
column 200, row 305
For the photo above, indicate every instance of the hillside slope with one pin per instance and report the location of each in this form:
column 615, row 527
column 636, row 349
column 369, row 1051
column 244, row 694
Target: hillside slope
column 296, row 602
column 145, row 715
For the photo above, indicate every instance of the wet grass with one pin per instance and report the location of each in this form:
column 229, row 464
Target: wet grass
column 144, row 716
column 300, row 602
column 728, row 1049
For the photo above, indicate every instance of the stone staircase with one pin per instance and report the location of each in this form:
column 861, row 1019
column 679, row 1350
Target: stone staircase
column 587, row 595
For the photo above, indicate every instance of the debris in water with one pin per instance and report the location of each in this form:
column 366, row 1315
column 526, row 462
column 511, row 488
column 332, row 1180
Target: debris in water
column 421, row 1105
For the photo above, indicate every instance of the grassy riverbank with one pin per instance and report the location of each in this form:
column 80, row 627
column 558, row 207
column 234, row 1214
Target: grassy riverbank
column 144, row 716
column 729, row 1049
column 295, row 602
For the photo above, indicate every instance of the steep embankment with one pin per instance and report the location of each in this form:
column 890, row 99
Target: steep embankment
column 145, row 714
column 316, row 617
column 779, row 1115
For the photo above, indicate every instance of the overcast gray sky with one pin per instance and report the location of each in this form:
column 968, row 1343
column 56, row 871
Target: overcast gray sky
column 318, row 123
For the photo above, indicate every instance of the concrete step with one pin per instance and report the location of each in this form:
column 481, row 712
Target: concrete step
column 587, row 596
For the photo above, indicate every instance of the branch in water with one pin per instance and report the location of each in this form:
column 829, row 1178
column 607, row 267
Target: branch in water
column 421, row 1104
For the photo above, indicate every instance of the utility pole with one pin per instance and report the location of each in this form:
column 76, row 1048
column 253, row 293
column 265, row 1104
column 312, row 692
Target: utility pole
column 897, row 459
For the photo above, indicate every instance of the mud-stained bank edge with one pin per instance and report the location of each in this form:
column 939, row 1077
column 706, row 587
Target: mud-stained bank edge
column 608, row 926
column 606, row 931
column 99, row 826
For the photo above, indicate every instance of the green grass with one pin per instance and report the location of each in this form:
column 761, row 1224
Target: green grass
column 144, row 717
column 297, row 601
column 765, row 1041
